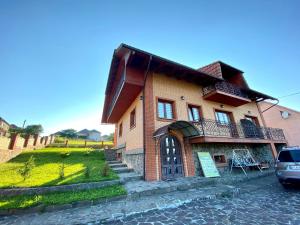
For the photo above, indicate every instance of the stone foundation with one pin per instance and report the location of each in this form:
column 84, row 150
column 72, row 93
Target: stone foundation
column 134, row 159
column 260, row 152
column 110, row 154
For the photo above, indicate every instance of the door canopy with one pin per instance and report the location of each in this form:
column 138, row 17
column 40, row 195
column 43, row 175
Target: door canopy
column 186, row 128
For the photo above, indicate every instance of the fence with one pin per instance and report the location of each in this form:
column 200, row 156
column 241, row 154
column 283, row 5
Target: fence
column 13, row 146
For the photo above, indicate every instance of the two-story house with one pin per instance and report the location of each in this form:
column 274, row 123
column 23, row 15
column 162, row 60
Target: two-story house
column 4, row 127
column 284, row 118
column 165, row 112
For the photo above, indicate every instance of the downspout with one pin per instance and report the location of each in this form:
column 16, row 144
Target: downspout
column 144, row 107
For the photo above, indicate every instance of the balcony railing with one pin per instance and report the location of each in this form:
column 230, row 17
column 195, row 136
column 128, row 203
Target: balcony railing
column 117, row 92
column 215, row 129
column 225, row 87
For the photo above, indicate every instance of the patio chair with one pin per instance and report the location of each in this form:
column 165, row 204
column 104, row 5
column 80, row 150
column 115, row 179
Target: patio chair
column 242, row 158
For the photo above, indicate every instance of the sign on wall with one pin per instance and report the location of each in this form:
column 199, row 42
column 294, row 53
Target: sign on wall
column 208, row 165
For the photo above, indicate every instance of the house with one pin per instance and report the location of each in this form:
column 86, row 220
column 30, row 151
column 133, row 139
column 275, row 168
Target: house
column 93, row 135
column 165, row 112
column 284, row 118
column 4, row 127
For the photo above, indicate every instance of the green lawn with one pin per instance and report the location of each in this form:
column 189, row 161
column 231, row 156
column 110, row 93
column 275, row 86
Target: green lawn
column 47, row 163
column 25, row 201
column 80, row 142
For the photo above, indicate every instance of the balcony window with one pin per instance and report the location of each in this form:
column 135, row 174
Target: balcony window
column 132, row 119
column 165, row 109
column 223, row 118
column 120, row 129
column 194, row 113
column 253, row 119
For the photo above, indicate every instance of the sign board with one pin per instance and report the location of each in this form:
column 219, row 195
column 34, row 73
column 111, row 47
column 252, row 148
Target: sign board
column 208, row 165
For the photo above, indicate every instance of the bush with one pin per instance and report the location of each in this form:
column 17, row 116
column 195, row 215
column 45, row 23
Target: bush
column 87, row 172
column 27, row 168
column 61, row 171
column 88, row 151
column 65, row 155
column 105, row 170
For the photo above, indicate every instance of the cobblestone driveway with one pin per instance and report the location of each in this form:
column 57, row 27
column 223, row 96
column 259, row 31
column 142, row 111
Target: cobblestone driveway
column 272, row 205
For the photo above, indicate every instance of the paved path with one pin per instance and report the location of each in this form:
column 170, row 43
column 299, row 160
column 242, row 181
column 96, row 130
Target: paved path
column 271, row 205
column 267, row 203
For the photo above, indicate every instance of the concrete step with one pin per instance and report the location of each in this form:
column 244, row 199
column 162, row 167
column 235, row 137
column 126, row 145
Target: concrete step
column 132, row 176
column 122, row 170
column 119, row 165
column 113, row 162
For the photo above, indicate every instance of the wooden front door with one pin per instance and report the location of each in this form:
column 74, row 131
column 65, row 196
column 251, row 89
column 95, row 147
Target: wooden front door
column 171, row 160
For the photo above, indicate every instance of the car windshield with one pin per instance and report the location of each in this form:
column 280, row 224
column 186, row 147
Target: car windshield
column 289, row 156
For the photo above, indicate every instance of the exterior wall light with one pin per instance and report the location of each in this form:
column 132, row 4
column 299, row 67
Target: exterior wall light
column 182, row 98
column 222, row 106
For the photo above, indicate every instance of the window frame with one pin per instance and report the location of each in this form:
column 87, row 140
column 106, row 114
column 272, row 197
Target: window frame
column 120, row 129
column 132, row 124
column 230, row 117
column 173, row 105
column 199, row 111
column 255, row 118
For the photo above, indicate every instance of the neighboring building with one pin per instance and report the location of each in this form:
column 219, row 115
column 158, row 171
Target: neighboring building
column 284, row 118
column 4, row 127
column 165, row 112
column 93, row 135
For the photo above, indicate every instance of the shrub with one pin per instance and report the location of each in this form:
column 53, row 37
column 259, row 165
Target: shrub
column 27, row 168
column 61, row 171
column 87, row 172
column 105, row 170
column 88, row 152
column 65, row 154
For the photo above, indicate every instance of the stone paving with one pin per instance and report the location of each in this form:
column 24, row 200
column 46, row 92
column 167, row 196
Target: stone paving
column 270, row 205
column 195, row 206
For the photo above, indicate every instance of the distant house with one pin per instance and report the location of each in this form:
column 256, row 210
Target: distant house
column 93, row 135
column 284, row 118
column 4, row 127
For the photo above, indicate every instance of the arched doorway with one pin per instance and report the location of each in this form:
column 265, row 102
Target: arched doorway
column 171, row 157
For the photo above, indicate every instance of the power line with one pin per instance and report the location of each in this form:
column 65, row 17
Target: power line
column 297, row 93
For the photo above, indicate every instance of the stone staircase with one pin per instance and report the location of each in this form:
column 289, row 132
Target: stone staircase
column 126, row 174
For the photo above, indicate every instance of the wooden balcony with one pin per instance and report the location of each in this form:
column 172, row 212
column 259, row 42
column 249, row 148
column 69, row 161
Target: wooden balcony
column 128, row 88
column 226, row 93
column 213, row 131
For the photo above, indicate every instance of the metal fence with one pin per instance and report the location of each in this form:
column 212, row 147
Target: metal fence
column 237, row 130
column 225, row 87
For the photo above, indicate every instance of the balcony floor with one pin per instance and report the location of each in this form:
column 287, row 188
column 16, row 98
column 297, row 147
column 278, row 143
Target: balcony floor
column 211, row 139
column 225, row 98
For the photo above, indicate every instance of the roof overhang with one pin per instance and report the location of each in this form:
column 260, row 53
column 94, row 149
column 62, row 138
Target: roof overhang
column 187, row 129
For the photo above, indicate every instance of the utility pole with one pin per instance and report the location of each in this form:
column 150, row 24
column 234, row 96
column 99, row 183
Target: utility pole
column 24, row 123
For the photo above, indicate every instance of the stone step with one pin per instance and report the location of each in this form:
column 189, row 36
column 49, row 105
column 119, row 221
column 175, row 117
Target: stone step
column 119, row 165
column 132, row 176
column 113, row 162
column 122, row 170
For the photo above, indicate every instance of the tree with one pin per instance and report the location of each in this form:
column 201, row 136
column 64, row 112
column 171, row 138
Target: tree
column 68, row 133
column 33, row 129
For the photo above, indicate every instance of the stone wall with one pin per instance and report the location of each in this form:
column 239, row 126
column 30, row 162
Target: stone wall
column 110, row 154
column 4, row 143
column 134, row 159
column 260, row 152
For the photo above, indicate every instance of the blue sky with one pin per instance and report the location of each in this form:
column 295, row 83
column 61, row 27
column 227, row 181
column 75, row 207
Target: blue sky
column 55, row 55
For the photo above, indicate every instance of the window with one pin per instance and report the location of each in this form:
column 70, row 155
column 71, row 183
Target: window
column 120, row 129
column 223, row 117
column 165, row 109
column 132, row 119
column 220, row 159
column 194, row 113
column 253, row 119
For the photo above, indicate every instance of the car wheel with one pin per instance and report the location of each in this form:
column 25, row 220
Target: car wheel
column 285, row 185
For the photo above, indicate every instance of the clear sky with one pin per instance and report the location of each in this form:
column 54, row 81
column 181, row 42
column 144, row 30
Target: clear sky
column 55, row 55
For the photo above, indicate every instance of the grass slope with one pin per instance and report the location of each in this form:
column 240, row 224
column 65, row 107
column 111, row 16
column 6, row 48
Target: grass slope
column 46, row 171
column 25, row 201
